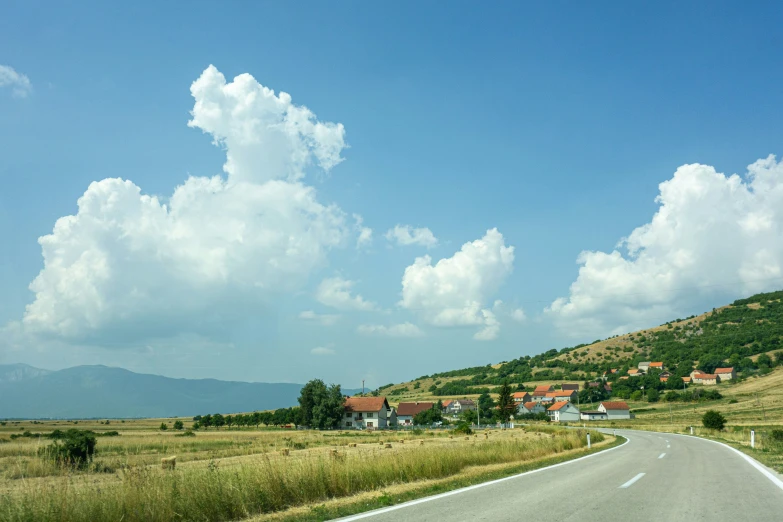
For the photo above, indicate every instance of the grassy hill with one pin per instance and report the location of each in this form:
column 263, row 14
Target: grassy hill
column 747, row 334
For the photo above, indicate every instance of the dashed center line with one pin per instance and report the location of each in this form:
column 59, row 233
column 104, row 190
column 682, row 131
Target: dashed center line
column 632, row 481
column 662, row 455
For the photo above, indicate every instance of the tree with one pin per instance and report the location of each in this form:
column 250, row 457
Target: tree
column 709, row 362
column 206, row 421
column 486, row 403
column 653, row 395
column 312, row 394
column 764, row 361
column 713, row 420
column 218, row 420
column 163, row 426
column 178, row 425
column 428, row 417
column 229, row 421
column 506, row 404
column 74, row 448
column 469, row 416
column 328, row 409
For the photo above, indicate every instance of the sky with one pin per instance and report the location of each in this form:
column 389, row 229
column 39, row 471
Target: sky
column 282, row 191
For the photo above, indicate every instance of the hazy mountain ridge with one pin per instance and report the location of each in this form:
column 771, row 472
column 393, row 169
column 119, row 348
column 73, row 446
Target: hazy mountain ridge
column 101, row 391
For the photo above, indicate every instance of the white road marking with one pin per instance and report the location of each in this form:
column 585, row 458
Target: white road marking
column 632, row 481
column 662, row 455
column 476, row 486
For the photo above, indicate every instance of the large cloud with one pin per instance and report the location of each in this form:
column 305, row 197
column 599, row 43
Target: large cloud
column 713, row 236
column 455, row 291
column 218, row 249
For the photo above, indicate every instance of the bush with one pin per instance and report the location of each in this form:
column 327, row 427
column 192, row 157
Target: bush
column 108, row 434
column 75, row 448
column 186, row 433
column 178, row 425
column 713, row 420
column 777, row 435
column 462, row 428
column 163, row 426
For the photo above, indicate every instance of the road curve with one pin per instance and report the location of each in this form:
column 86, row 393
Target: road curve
column 654, row 476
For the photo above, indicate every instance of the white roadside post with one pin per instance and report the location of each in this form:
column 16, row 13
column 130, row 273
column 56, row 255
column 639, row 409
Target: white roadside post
column 691, row 430
column 588, row 441
column 752, row 438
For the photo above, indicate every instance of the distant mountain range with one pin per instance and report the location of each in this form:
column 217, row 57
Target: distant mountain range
column 101, row 391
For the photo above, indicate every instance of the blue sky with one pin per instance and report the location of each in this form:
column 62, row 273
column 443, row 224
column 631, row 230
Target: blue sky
column 554, row 125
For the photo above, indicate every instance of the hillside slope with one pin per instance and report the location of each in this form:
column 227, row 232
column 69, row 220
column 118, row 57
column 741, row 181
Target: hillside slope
column 743, row 334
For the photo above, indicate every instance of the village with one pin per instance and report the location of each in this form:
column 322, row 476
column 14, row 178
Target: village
column 544, row 402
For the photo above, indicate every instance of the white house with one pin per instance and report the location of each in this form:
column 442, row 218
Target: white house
column 615, row 410
column 365, row 412
column 644, row 366
column 407, row 410
column 594, row 415
column 563, row 411
column 725, row 374
column 456, row 406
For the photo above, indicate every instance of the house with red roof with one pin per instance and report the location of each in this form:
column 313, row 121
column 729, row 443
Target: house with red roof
column 615, row 410
column 365, row 412
column 521, row 397
column 725, row 374
column 563, row 411
column 531, row 407
column 562, row 395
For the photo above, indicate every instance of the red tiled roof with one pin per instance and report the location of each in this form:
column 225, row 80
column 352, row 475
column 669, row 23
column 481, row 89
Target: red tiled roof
column 561, row 393
column 656, row 365
column 413, row 408
column 519, row 395
column 723, row 370
column 446, row 403
column 686, row 379
column 558, row 405
column 615, row 405
column 624, row 377
column 543, row 388
column 664, row 379
column 365, row 403
column 707, row 376
column 530, row 405
column 632, row 371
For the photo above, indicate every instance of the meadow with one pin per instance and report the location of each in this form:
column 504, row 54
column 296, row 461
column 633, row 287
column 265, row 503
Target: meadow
column 239, row 473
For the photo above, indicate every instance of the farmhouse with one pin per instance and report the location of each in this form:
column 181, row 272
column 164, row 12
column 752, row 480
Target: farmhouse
column 531, row 407
column 656, row 366
column 540, row 393
column 365, row 412
column 725, row 374
column 686, row 380
column 594, row 415
column 615, row 410
column 521, row 397
column 633, row 372
column 707, row 379
column 407, row 410
column 643, row 366
column 456, row 406
column 563, row 411
column 562, row 395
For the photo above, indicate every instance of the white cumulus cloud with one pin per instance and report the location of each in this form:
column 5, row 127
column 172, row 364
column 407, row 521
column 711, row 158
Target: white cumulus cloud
column 323, row 319
column 322, row 350
column 364, row 234
column 518, row 315
column 713, row 236
column 455, row 291
column 396, row 330
column 19, row 83
column 407, row 235
column 129, row 264
column 336, row 292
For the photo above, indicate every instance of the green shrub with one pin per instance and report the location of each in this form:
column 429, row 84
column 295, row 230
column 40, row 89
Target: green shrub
column 76, row 448
column 777, row 435
column 163, row 426
column 462, row 428
column 733, row 401
column 186, row 433
column 713, row 420
column 178, row 425
column 108, row 434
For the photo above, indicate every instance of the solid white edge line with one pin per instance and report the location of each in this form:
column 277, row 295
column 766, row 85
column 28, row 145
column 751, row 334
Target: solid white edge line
column 753, row 462
column 474, row 486
column 632, row 481
column 661, row 455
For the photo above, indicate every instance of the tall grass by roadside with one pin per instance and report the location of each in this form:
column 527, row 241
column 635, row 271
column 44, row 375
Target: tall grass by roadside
column 268, row 485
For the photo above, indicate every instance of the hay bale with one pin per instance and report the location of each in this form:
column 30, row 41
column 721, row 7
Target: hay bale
column 467, row 438
column 402, row 441
column 380, row 442
column 421, row 443
column 285, row 452
column 387, row 446
column 451, row 436
column 168, row 462
column 352, row 445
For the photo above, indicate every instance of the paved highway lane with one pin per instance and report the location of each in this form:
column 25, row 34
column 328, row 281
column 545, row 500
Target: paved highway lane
column 654, row 476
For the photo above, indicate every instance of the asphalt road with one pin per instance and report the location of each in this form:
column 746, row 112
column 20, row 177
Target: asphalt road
column 654, row 476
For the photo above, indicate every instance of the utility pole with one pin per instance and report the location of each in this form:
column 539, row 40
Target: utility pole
column 671, row 416
column 362, row 386
column 478, row 413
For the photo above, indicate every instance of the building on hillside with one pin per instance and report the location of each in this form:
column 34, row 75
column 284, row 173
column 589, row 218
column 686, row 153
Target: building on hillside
column 531, row 407
column 686, row 380
column 608, row 388
column 656, row 366
column 365, row 412
column 643, row 366
column 624, row 378
column 593, row 384
column 454, row 407
column 725, row 374
column 663, row 379
column 562, row 395
column 407, row 410
column 569, row 386
column 707, row 379
column 633, row 372
column 615, row 410
column 540, row 392
column 522, row 397
column 563, row 411
column 694, row 373
column 594, row 415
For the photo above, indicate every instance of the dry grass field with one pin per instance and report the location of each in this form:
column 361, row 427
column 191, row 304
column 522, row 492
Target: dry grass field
column 234, row 474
